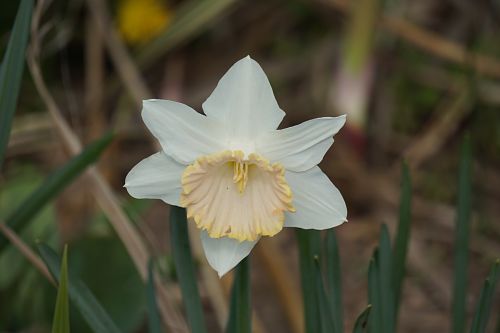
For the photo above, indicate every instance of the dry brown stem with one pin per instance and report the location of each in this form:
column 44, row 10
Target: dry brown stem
column 430, row 42
column 125, row 67
column 101, row 190
column 430, row 142
column 26, row 251
column 270, row 255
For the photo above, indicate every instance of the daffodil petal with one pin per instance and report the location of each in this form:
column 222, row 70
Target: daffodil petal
column 183, row 133
column 319, row 204
column 223, row 254
column 156, row 177
column 300, row 147
column 244, row 101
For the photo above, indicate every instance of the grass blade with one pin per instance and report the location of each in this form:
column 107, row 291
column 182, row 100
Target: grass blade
column 462, row 239
column 483, row 308
column 94, row 314
column 11, row 71
column 385, row 281
column 60, row 324
column 154, row 320
column 308, row 241
column 184, row 266
column 361, row 324
column 325, row 310
column 402, row 235
column 240, row 313
column 375, row 319
column 53, row 185
column 333, row 278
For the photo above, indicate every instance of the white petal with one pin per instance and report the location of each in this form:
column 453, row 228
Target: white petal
column 156, row 177
column 224, row 253
column 183, row 133
column 303, row 146
column 244, row 101
column 318, row 202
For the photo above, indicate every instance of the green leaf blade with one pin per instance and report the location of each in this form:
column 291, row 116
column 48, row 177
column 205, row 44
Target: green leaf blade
column 402, row 235
column 11, row 71
column 361, row 324
column 375, row 319
column 60, row 324
column 184, row 266
column 154, row 320
column 240, row 311
column 308, row 242
column 333, row 278
column 483, row 308
column 385, row 281
column 462, row 239
column 325, row 310
column 53, row 185
column 92, row 311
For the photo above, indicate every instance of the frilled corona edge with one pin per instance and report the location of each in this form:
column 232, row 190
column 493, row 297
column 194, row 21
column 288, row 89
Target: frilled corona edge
column 229, row 195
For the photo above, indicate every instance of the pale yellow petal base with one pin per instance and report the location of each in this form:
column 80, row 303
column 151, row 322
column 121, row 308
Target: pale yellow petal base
column 232, row 196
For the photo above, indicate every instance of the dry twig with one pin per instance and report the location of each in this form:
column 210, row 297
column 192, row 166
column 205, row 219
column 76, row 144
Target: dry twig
column 26, row 251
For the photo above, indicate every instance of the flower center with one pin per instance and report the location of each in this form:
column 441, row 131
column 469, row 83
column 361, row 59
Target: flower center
column 232, row 196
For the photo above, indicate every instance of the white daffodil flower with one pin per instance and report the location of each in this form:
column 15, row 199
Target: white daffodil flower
column 238, row 177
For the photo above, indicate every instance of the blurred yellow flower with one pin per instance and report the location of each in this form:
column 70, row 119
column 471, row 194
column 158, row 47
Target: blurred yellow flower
column 141, row 20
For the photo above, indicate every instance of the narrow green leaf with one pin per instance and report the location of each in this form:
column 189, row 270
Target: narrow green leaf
column 11, row 71
column 483, row 308
column 240, row 312
column 80, row 295
column 153, row 313
column 60, row 324
column 333, row 278
column 53, row 185
column 375, row 319
column 462, row 239
column 402, row 235
column 185, row 269
column 325, row 310
column 361, row 324
column 189, row 21
column 308, row 241
column 385, row 281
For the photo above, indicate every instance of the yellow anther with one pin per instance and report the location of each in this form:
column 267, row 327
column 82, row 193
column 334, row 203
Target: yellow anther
column 240, row 176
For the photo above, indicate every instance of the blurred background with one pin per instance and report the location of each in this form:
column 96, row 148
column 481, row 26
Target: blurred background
column 413, row 76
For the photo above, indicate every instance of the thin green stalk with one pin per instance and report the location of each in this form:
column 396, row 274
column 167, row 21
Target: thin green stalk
column 402, row 235
column 308, row 242
column 333, row 278
column 240, row 314
column 483, row 309
column 185, row 269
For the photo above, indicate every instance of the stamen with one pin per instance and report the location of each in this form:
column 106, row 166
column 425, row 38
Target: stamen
column 240, row 177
